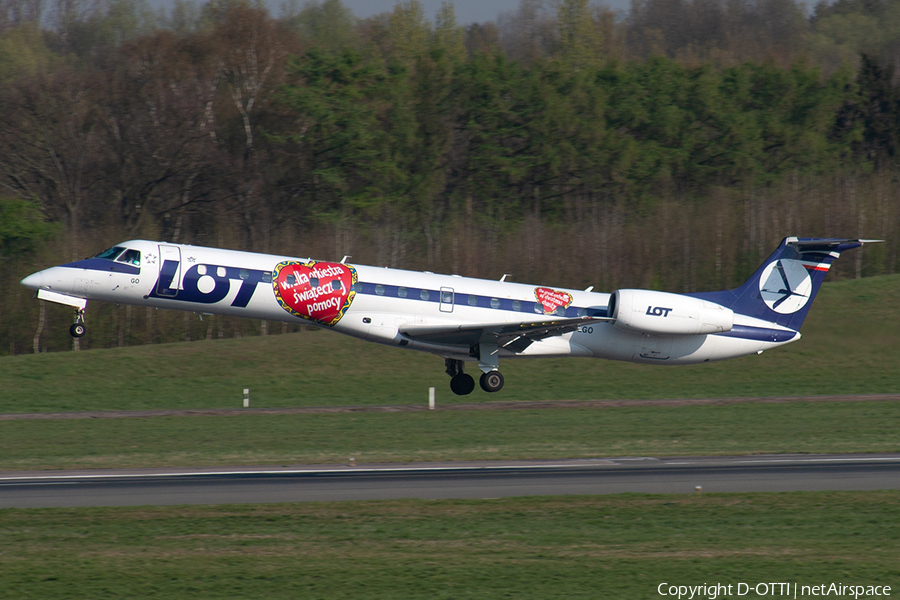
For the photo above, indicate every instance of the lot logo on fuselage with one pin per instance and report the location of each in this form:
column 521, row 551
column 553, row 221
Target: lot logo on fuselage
column 315, row 291
column 785, row 286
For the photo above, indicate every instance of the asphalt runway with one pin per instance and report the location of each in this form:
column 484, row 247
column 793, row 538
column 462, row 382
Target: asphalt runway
column 770, row 473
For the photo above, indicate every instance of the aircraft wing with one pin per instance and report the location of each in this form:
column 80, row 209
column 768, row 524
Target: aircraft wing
column 512, row 336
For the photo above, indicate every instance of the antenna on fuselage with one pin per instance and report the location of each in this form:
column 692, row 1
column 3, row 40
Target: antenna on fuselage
column 344, row 260
column 505, row 275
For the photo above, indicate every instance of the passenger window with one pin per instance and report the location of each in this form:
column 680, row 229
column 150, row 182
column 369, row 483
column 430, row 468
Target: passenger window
column 267, row 277
column 473, row 300
column 446, row 297
column 538, row 308
column 495, row 303
column 561, row 311
column 402, row 292
column 244, row 274
column 110, row 254
column 379, row 289
column 314, row 282
column 582, row 312
column 424, row 295
column 290, row 280
column 517, row 305
column 336, row 285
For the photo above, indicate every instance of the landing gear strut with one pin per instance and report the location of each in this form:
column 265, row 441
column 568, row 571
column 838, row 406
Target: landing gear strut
column 77, row 329
column 461, row 384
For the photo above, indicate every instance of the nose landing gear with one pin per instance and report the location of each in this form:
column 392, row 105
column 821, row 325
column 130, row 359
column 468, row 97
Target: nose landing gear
column 77, row 329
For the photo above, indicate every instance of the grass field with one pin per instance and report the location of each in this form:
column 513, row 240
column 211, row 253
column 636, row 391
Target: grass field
column 550, row 547
column 849, row 347
column 826, row 427
column 525, row 548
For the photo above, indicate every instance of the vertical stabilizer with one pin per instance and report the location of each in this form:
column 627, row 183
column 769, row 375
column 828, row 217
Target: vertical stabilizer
column 782, row 290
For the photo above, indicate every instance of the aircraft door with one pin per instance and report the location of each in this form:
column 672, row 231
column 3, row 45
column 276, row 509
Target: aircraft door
column 169, row 271
column 447, row 297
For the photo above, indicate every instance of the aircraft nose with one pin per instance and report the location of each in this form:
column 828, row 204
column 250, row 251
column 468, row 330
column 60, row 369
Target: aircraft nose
column 34, row 281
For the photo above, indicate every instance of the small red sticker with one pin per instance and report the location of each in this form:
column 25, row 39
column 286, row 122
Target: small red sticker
column 315, row 291
column 552, row 299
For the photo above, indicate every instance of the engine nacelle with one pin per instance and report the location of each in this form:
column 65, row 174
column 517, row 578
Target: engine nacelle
column 662, row 313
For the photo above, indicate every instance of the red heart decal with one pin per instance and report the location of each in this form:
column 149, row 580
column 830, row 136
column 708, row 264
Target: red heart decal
column 552, row 299
column 315, row 291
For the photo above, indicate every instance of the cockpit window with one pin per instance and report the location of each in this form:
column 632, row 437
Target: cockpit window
column 110, row 254
column 132, row 257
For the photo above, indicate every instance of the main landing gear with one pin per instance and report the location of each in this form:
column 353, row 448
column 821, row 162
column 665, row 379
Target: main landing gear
column 462, row 384
column 77, row 329
column 492, row 381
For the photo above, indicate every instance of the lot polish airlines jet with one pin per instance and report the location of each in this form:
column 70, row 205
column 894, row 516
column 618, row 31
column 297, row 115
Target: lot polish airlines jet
column 458, row 318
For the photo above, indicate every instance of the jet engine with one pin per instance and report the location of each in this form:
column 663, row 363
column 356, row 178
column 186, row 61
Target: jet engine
column 646, row 311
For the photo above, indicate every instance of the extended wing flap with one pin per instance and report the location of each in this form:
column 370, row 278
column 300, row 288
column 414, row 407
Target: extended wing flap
column 513, row 336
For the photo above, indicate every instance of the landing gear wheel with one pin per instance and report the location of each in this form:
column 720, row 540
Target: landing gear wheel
column 77, row 329
column 492, row 381
column 462, row 384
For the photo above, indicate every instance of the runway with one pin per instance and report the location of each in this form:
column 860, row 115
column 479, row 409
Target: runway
column 770, row 473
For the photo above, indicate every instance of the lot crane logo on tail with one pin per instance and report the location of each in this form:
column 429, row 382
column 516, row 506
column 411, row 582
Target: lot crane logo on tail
column 785, row 286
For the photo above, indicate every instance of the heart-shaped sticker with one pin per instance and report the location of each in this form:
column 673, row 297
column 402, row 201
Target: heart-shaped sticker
column 315, row 291
column 552, row 299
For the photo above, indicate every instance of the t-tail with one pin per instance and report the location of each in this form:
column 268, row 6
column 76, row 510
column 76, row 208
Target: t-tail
column 782, row 290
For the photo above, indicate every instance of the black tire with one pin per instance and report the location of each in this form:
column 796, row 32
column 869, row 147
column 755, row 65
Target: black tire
column 492, row 381
column 462, row 384
column 77, row 330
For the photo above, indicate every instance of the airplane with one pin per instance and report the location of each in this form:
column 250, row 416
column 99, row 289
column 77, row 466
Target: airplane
column 461, row 319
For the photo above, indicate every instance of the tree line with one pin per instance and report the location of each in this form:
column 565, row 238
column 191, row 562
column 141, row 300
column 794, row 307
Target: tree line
column 670, row 147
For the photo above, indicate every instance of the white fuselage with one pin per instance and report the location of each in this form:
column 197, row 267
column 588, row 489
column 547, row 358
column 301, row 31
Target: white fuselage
column 387, row 305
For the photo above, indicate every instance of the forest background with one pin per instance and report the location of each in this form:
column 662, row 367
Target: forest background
column 670, row 147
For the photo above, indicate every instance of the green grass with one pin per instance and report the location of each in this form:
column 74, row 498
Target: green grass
column 822, row 427
column 578, row 547
column 849, row 347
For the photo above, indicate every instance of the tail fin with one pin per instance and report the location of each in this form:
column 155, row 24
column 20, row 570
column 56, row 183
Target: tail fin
column 782, row 290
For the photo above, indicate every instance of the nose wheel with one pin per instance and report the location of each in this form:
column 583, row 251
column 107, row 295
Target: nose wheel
column 78, row 329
